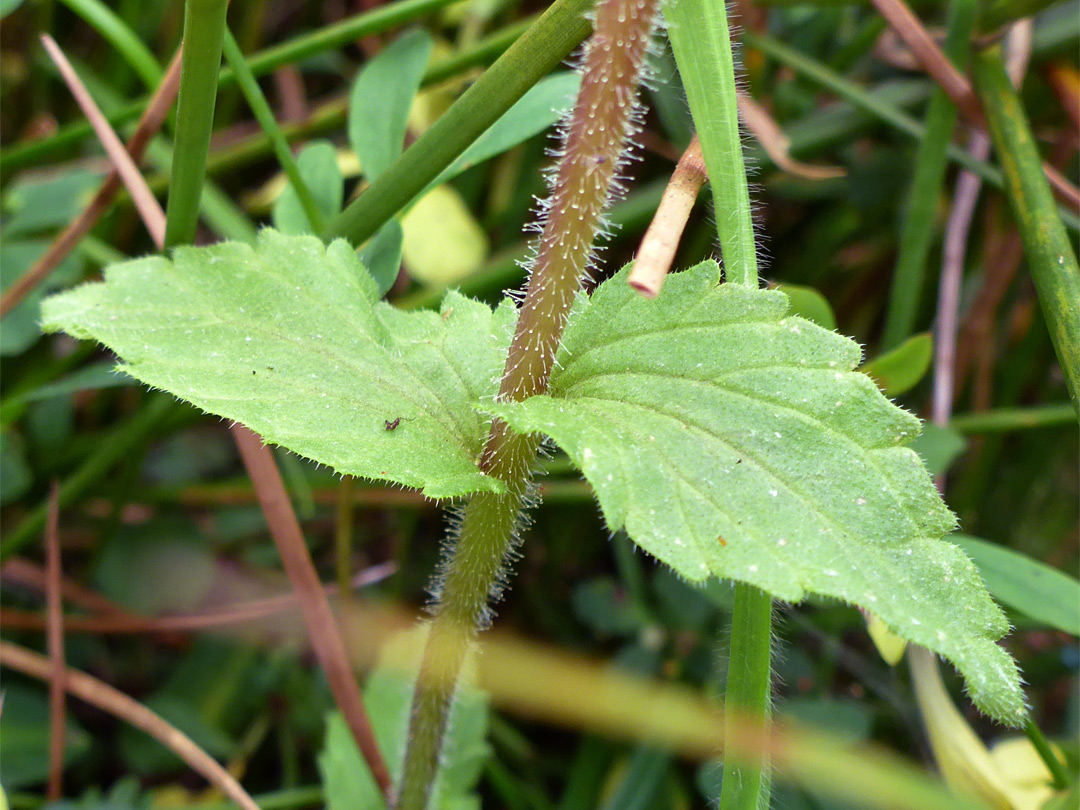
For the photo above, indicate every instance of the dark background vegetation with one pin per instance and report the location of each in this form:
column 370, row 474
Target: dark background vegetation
column 173, row 521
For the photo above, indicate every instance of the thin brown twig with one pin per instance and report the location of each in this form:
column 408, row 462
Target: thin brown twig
column 145, row 202
column 100, row 694
column 248, row 611
column 22, row 571
column 955, row 85
column 776, row 144
column 661, row 240
column 326, row 639
column 150, row 122
column 55, row 645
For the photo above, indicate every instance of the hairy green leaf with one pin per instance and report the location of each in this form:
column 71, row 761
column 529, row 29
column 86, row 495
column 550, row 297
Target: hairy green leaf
column 732, row 440
column 289, row 338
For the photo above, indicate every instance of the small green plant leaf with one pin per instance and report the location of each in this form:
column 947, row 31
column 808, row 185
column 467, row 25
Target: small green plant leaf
column 443, row 242
column 380, row 100
column 900, row 369
column 1032, row 587
column 382, row 255
column 289, row 338
column 387, row 698
column 318, row 167
column 806, row 302
column 731, row 440
column 537, row 110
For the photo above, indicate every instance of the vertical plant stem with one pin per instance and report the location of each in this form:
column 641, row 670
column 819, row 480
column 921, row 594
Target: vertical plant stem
column 602, row 120
column 265, row 116
column 746, row 782
column 700, row 40
column 546, row 43
column 204, row 27
column 55, row 641
column 918, row 229
column 1049, row 254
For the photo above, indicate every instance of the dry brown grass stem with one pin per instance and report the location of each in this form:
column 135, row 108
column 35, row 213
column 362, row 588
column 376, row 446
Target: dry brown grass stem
column 657, row 251
column 55, row 643
column 145, row 202
column 149, row 124
column 104, row 697
column 319, row 619
column 956, row 86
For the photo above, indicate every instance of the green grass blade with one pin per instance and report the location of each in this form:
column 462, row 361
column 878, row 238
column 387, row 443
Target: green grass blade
column 547, row 42
column 698, row 32
column 204, row 28
column 1046, row 246
column 918, row 229
column 260, row 108
column 1002, row 420
column 118, row 34
column 1026, row 585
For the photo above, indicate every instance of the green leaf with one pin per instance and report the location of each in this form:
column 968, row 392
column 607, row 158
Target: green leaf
column 537, row 110
column 443, row 242
column 380, row 100
column 15, row 474
column 319, row 170
column 93, row 377
column 806, row 302
column 387, row 697
column 24, row 737
column 900, row 369
column 8, row 6
column 289, row 338
column 382, row 256
column 20, row 330
column 1031, row 587
column 34, row 204
column 938, row 447
column 732, row 441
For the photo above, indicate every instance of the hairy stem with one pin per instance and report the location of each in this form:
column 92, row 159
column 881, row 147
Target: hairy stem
column 701, row 41
column 594, row 143
column 747, row 694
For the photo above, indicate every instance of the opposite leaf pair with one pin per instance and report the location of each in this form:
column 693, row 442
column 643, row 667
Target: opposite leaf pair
column 728, row 438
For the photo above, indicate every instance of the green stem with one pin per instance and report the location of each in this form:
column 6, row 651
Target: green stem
column 1056, row 767
column 1047, row 249
column 204, row 28
column 260, row 108
column 530, row 58
column 746, row 783
column 592, row 155
column 1002, row 420
column 918, row 229
column 700, row 40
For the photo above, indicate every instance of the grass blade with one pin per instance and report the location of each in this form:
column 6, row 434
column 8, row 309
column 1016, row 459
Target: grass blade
column 1049, row 254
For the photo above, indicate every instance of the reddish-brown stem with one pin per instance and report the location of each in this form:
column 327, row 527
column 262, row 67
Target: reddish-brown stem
column 148, row 125
column 955, row 85
column 145, row 201
column 224, row 616
column 318, row 617
column 55, row 643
